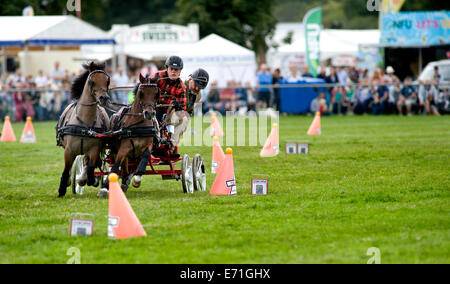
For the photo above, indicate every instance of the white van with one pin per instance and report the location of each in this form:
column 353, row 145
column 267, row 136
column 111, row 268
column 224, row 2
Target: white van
column 444, row 70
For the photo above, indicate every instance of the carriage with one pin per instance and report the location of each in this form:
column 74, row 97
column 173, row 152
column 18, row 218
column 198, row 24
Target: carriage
column 192, row 173
column 101, row 144
column 132, row 143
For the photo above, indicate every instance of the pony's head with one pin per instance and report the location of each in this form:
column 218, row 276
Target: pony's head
column 146, row 96
column 97, row 81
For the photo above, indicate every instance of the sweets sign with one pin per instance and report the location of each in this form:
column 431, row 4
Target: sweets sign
column 163, row 33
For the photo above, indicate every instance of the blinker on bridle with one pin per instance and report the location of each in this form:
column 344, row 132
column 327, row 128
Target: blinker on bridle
column 142, row 105
column 151, row 104
column 91, row 82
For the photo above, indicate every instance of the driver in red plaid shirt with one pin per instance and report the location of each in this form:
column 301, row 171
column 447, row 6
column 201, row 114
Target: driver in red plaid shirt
column 170, row 84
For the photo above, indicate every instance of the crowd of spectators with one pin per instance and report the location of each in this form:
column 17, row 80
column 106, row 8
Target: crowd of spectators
column 355, row 92
column 381, row 93
column 45, row 96
column 232, row 98
column 42, row 97
column 242, row 97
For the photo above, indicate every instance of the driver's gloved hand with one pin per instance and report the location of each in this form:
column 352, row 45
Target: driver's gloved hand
column 177, row 106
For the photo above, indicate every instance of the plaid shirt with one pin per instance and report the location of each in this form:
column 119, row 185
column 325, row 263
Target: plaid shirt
column 169, row 87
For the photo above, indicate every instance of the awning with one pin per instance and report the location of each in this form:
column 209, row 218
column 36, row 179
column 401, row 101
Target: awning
column 145, row 51
column 50, row 30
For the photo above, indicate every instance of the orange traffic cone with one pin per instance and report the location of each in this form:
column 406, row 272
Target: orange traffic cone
column 315, row 126
column 28, row 135
column 7, row 132
column 123, row 223
column 225, row 183
column 272, row 146
column 216, row 129
column 218, row 156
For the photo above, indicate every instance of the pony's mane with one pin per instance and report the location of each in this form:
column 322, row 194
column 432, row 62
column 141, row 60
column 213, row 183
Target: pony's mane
column 79, row 82
column 136, row 88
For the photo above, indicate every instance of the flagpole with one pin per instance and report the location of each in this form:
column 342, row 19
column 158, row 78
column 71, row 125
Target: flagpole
column 78, row 10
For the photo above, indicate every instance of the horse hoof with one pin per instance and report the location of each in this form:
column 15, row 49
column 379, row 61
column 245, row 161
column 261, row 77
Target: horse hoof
column 137, row 181
column 82, row 182
column 124, row 188
column 103, row 193
column 69, row 182
column 96, row 183
column 61, row 195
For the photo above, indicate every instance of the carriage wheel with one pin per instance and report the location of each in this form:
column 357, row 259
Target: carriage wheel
column 199, row 173
column 186, row 175
column 77, row 170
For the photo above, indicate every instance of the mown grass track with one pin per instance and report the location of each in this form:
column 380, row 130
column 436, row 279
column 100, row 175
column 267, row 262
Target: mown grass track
column 368, row 182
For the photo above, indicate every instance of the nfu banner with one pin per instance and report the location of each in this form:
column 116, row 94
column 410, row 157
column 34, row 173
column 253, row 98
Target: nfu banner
column 312, row 23
column 415, row 28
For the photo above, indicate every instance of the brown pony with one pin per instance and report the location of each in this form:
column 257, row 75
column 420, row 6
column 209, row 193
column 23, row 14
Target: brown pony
column 81, row 121
column 139, row 128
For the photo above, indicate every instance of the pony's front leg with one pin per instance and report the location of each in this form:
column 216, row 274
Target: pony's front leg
column 69, row 157
column 126, row 177
column 82, row 179
column 115, row 169
column 141, row 169
column 105, row 190
column 91, row 165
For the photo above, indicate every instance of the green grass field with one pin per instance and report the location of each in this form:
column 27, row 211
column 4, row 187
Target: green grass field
column 368, row 182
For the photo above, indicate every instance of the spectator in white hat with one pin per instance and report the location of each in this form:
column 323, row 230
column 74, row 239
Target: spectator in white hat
column 390, row 76
column 394, row 90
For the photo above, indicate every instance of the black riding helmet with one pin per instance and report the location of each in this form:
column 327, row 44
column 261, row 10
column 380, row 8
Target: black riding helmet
column 201, row 78
column 174, row 62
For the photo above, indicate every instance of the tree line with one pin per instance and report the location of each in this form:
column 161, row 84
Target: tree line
column 244, row 22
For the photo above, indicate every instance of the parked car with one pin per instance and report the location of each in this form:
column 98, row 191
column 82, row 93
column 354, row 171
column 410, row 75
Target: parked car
column 444, row 70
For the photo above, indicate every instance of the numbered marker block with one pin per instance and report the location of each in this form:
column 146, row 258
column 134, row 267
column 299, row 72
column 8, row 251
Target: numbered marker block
column 260, row 186
column 297, row 148
column 291, row 148
column 82, row 226
column 303, row 148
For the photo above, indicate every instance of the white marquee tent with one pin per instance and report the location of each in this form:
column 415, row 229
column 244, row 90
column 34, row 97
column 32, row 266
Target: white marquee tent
column 142, row 51
column 223, row 59
column 50, row 30
column 47, row 30
column 333, row 43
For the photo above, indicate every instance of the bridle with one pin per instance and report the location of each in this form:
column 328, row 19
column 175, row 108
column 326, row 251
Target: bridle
column 93, row 92
column 150, row 104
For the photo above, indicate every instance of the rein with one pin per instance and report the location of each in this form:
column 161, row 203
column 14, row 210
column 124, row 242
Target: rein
column 91, row 104
column 155, row 106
